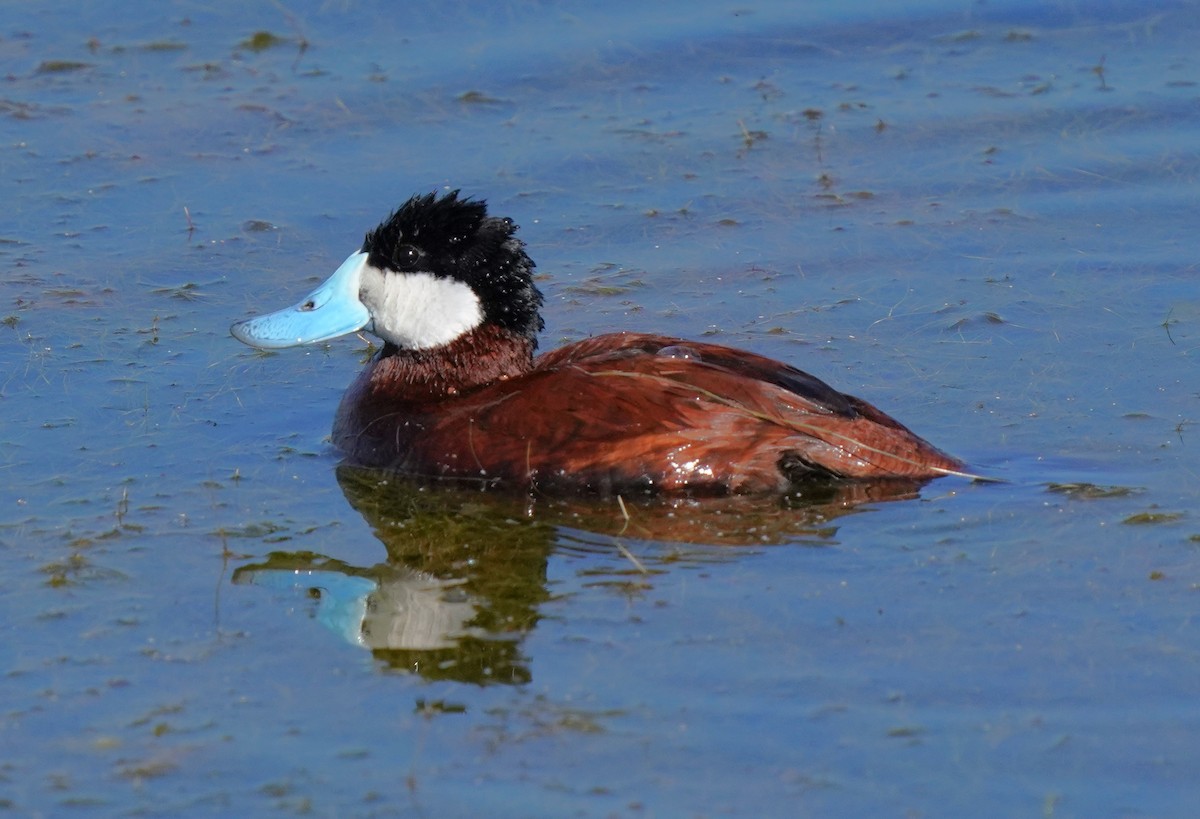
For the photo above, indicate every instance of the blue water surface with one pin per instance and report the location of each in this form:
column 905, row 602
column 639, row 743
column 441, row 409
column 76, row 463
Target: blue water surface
column 977, row 215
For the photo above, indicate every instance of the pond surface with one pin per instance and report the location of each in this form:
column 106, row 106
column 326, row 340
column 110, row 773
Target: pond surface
column 976, row 215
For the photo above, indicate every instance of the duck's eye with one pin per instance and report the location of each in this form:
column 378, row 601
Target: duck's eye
column 408, row 256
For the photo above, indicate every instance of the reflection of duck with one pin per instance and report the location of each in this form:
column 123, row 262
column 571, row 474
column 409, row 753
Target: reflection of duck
column 456, row 391
column 466, row 576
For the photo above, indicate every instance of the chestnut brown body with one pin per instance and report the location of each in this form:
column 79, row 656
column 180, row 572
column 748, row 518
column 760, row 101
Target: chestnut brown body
column 618, row 412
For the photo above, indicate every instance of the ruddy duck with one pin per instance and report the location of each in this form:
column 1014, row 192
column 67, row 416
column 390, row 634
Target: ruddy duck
column 456, row 392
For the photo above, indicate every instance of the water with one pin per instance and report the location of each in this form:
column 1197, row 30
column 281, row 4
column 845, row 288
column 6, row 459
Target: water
column 977, row 216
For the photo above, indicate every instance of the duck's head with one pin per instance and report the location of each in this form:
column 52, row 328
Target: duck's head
column 435, row 270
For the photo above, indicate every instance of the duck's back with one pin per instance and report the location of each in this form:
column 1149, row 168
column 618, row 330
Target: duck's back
column 629, row 411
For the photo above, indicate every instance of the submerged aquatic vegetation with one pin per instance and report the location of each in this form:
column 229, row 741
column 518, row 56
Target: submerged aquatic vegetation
column 61, row 66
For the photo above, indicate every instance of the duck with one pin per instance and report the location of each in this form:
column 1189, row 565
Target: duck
column 457, row 390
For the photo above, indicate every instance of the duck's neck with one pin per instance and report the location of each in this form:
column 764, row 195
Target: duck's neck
column 485, row 355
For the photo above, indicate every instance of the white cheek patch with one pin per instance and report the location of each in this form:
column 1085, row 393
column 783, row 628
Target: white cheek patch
column 417, row 311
